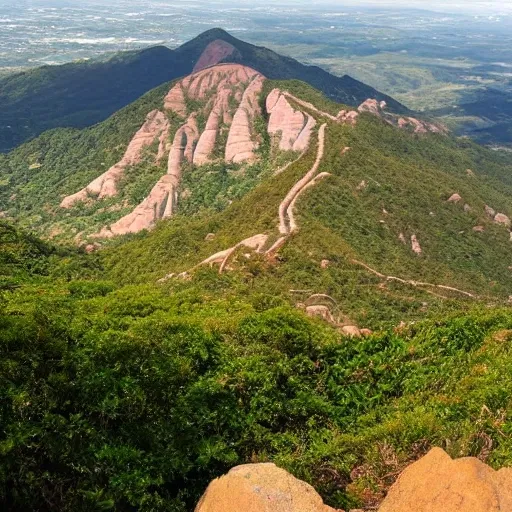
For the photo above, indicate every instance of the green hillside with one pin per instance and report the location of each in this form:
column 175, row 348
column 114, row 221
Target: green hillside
column 123, row 393
column 135, row 397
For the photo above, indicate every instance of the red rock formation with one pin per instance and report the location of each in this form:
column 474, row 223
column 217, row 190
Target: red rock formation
column 156, row 126
column 372, row 106
column 219, row 113
column 158, row 205
column 348, row 117
column 293, row 126
column 175, row 100
column 240, row 146
column 376, row 108
column 215, row 53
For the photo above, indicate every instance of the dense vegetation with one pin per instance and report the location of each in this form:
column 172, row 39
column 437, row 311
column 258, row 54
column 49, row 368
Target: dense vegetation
column 84, row 93
column 134, row 398
column 122, row 394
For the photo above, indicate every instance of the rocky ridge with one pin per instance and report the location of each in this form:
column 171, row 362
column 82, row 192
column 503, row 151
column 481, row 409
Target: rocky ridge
column 219, row 103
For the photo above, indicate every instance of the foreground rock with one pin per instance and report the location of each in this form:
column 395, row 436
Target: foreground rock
column 260, row 488
column 436, row 483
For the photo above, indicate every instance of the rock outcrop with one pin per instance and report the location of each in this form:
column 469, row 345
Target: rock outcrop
column 416, row 247
column 241, row 146
column 260, row 488
column 156, row 126
column 436, row 483
column 501, row 218
column 454, row 198
column 376, row 108
column 216, row 52
column 293, row 127
column 219, row 92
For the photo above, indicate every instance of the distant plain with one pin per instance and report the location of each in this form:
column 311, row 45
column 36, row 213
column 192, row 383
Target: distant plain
column 454, row 66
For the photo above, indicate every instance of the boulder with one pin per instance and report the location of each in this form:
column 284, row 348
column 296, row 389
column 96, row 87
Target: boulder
column 325, row 264
column 415, row 245
column 501, row 218
column 321, row 311
column 454, row 198
column 260, row 488
column 351, row 330
column 478, row 229
column 490, row 211
column 372, row 106
column 436, row 483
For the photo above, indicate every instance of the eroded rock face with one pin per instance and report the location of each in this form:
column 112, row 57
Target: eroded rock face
column 220, row 92
column 175, row 100
column 260, row 488
column 158, row 205
column 215, row 53
column 241, row 145
column 292, row 126
column 156, row 126
column 436, row 483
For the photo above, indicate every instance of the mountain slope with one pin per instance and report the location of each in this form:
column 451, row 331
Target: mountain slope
column 82, row 94
column 383, row 195
column 236, row 328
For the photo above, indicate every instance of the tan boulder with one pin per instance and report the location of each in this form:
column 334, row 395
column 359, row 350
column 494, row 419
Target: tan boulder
column 436, row 483
column 351, row 330
column 416, row 247
column 320, row 311
column 490, row 211
column 372, row 106
column 260, row 488
column 501, row 218
column 454, row 198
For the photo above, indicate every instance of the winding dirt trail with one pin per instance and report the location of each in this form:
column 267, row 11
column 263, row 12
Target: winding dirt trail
column 309, row 106
column 287, row 223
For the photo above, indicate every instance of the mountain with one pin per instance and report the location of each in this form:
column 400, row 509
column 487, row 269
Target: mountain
column 84, row 93
column 236, row 270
